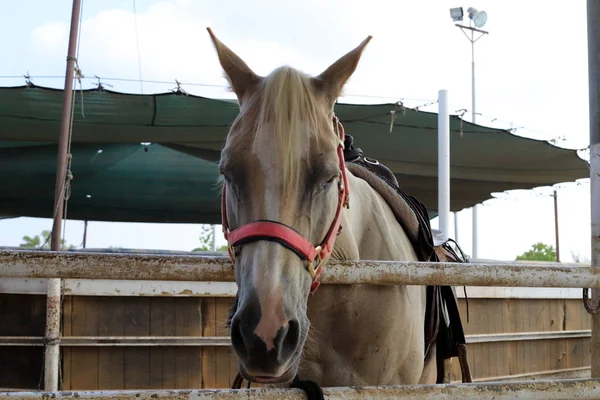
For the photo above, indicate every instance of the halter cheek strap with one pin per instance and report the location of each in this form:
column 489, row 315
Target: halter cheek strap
column 288, row 237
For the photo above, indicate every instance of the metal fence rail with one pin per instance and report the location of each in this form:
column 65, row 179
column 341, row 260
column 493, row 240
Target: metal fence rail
column 72, row 265
column 113, row 267
column 540, row 390
column 225, row 341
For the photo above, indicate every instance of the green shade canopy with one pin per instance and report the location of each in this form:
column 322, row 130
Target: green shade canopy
column 173, row 179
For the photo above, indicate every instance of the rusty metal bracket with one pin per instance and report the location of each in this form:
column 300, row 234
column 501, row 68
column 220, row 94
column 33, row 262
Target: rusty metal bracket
column 592, row 309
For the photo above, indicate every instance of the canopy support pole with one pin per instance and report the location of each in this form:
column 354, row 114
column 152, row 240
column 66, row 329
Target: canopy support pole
column 593, row 31
column 53, row 303
column 65, row 122
column 444, row 164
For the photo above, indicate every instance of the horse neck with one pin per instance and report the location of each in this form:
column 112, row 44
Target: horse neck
column 370, row 229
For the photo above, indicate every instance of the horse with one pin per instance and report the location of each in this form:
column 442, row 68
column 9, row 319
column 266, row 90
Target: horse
column 289, row 205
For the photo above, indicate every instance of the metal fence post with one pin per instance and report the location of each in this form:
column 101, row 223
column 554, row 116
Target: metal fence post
column 52, row 337
column 593, row 19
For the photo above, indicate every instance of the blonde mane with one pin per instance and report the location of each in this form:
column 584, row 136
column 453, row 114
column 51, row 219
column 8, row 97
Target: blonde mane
column 289, row 114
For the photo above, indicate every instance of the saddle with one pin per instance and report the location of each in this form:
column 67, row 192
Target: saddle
column 443, row 325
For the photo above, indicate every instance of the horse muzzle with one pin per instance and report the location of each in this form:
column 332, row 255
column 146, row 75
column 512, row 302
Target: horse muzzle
column 268, row 348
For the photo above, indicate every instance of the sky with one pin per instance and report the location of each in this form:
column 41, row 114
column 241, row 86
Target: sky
column 531, row 75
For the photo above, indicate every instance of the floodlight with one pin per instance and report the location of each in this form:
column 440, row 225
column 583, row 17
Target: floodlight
column 479, row 18
column 456, row 13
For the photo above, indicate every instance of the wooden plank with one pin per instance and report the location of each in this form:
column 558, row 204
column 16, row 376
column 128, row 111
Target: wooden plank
column 209, row 328
column 476, row 310
column 136, row 360
column 577, row 317
column 168, row 354
column 538, row 321
column 462, row 309
column 84, row 360
column 499, row 352
column 527, row 324
column 156, row 353
column 518, row 322
column 188, row 361
column 484, row 368
column 558, row 317
column 67, row 312
column 26, row 313
column 511, row 348
column 111, row 322
column 223, row 379
column 574, row 350
column 558, row 352
column 21, row 367
column 587, row 352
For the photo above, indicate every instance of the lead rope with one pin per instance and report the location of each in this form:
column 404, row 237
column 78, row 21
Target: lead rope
column 312, row 389
column 237, row 382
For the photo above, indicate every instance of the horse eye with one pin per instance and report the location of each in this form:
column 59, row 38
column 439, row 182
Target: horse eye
column 330, row 181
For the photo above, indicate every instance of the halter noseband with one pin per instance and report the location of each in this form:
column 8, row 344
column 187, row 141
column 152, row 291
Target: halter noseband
column 288, row 237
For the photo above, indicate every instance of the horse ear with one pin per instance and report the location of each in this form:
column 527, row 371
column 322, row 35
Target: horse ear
column 237, row 72
column 333, row 79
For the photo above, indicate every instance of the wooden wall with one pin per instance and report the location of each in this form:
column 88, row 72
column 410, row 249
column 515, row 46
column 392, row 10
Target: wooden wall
column 525, row 357
column 167, row 367
column 21, row 367
column 189, row 367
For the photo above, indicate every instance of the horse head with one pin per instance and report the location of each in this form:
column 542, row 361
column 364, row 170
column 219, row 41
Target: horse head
column 284, row 187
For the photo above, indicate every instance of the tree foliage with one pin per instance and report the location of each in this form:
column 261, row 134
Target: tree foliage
column 43, row 241
column 539, row 252
column 206, row 240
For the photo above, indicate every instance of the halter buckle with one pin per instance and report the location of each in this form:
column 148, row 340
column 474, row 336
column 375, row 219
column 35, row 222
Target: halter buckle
column 311, row 267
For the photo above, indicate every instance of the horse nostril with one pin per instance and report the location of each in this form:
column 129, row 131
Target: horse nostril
column 237, row 338
column 289, row 339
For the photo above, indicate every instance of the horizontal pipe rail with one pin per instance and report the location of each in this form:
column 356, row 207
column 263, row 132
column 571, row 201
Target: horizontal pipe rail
column 72, row 265
column 224, row 341
column 524, row 336
column 159, row 288
column 554, row 374
column 71, row 341
column 546, row 390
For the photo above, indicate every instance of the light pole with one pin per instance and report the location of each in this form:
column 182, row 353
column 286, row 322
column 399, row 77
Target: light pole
column 477, row 19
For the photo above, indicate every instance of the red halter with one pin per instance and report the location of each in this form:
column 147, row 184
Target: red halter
column 286, row 236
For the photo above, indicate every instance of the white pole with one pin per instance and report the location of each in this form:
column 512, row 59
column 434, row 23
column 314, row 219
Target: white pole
column 472, row 78
column 475, row 254
column 475, row 251
column 52, row 338
column 456, row 227
column 443, row 164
